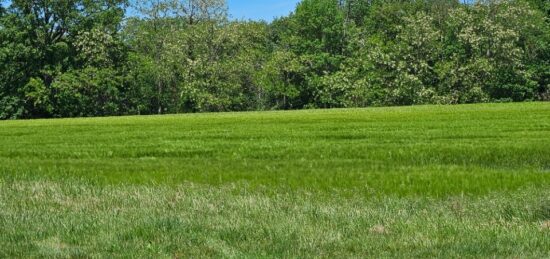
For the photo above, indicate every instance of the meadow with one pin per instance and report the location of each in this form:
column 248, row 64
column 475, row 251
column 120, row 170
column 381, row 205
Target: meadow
column 421, row 181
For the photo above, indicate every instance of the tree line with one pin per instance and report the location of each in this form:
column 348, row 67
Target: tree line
column 73, row 58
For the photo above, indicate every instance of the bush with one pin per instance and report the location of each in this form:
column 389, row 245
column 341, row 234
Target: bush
column 87, row 92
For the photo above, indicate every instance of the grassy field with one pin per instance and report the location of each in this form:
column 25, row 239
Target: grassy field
column 427, row 181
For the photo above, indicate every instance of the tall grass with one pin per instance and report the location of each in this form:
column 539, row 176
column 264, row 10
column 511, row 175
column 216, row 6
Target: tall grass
column 427, row 181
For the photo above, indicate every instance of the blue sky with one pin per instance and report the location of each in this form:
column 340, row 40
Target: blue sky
column 255, row 9
column 260, row 9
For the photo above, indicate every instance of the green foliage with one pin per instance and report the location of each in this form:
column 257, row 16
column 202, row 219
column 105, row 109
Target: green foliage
column 220, row 73
column 283, row 74
column 98, row 48
column 440, row 53
column 12, row 107
column 43, row 40
column 87, row 92
column 317, row 38
column 187, row 56
column 37, row 98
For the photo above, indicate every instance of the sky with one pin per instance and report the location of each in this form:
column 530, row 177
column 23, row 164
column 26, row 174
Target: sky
column 260, row 9
column 254, row 9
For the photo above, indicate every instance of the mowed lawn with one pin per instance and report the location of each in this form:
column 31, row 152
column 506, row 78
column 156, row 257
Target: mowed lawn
column 426, row 181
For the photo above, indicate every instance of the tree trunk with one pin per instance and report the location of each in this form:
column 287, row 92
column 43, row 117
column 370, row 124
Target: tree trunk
column 159, row 87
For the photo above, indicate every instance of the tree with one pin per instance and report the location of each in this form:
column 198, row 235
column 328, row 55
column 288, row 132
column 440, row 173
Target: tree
column 38, row 42
column 357, row 11
column 315, row 36
column 221, row 75
column 542, row 5
column 154, row 35
column 99, row 48
column 496, row 44
column 82, row 58
column 87, row 92
column 50, row 27
column 282, row 75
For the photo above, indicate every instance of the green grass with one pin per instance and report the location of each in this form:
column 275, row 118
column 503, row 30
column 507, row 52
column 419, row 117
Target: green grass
column 426, row 181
